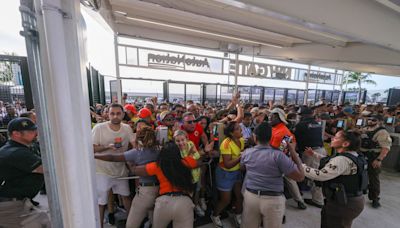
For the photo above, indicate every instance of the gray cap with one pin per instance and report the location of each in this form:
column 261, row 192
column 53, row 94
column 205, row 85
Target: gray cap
column 281, row 114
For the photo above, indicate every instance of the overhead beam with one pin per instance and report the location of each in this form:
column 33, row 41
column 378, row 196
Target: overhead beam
column 153, row 12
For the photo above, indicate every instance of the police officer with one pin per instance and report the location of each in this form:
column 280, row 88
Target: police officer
column 376, row 143
column 308, row 133
column 21, row 177
column 344, row 179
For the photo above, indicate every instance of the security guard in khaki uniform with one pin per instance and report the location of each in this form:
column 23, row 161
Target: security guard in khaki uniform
column 21, row 178
column 376, row 143
column 344, row 179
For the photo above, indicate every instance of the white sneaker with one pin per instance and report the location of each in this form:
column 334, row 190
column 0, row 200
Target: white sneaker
column 199, row 211
column 217, row 221
column 203, row 204
column 238, row 219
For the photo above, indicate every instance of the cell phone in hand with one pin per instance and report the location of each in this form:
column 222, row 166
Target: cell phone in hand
column 118, row 142
column 162, row 134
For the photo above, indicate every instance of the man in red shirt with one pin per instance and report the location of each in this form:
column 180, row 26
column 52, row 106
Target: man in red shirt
column 279, row 131
column 195, row 131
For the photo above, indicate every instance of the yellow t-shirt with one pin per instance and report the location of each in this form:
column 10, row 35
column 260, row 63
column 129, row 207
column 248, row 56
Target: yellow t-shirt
column 196, row 156
column 229, row 147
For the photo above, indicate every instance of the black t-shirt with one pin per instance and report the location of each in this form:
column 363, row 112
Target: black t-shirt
column 308, row 133
column 17, row 162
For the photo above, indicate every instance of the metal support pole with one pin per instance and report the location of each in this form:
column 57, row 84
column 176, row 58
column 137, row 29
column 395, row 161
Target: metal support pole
column 334, row 83
column 60, row 82
column 236, row 71
column 307, row 82
column 119, row 83
column 340, row 100
column 36, row 80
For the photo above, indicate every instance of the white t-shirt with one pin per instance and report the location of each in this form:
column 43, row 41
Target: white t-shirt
column 103, row 135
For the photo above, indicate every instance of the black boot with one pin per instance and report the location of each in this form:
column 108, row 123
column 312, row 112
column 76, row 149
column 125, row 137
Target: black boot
column 376, row 204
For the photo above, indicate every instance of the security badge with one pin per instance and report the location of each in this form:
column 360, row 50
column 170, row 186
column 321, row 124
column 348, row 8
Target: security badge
column 24, row 124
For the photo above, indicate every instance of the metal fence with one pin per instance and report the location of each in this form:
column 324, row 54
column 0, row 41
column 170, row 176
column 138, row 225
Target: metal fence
column 14, row 81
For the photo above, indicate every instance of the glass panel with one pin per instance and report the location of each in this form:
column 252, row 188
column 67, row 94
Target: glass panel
column 141, row 89
column 256, row 94
column 291, row 96
column 131, row 56
column 176, row 92
column 244, row 94
column 351, row 97
column 300, row 97
column 211, row 93
column 318, row 95
column 328, row 96
column 107, row 88
column 335, row 97
column 226, row 94
column 268, row 95
column 193, row 92
column 121, row 55
column 279, row 96
column 311, row 97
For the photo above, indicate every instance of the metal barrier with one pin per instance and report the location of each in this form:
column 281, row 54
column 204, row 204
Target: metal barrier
column 14, row 81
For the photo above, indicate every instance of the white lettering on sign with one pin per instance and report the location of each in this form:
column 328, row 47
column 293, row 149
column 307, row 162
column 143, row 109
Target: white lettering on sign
column 320, row 76
column 261, row 70
column 178, row 61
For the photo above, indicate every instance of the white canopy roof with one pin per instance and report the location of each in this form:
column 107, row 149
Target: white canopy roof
column 354, row 35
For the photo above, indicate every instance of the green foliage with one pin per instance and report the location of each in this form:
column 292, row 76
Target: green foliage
column 359, row 78
column 6, row 71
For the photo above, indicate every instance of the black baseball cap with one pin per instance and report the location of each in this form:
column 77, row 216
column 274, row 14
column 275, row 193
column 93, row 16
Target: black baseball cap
column 21, row 124
column 377, row 117
column 305, row 110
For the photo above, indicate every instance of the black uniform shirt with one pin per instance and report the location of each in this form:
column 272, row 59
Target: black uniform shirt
column 308, row 133
column 17, row 162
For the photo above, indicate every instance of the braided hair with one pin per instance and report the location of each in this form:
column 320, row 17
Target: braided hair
column 146, row 138
column 170, row 162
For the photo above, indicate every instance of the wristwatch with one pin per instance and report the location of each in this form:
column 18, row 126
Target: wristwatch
column 378, row 159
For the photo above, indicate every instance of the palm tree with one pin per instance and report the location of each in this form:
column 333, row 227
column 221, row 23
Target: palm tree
column 6, row 71
column 359, row 78
column 375, row 96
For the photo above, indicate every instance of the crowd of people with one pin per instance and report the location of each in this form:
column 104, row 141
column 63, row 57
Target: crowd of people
column 252, row 160
column 182, row 162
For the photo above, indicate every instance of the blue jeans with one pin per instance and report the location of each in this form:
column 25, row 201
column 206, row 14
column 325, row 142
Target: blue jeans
column 227, row 179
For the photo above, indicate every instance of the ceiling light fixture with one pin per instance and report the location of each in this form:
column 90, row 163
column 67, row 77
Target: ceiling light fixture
column 202, row 32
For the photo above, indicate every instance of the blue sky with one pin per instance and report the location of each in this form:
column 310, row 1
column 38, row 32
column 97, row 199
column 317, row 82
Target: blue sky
column 11, row 41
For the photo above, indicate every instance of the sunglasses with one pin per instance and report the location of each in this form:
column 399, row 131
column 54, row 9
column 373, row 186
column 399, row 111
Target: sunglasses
column 191, row 121
column 179, row 111
column 169, row 119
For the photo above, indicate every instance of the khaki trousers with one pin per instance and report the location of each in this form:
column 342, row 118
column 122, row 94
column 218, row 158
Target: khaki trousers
column 293, row 189
column 268, row 208
column 178, row 209
column 311, row 161
column 22, row 214
column 142, row 204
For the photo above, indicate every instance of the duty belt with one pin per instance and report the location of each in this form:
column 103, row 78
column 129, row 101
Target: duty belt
column 264, row 193
column 175, row 194
column 356, row 194
column 149, row 184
